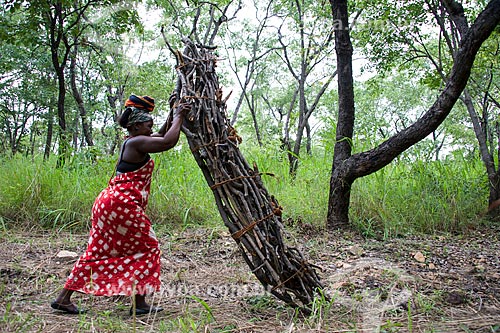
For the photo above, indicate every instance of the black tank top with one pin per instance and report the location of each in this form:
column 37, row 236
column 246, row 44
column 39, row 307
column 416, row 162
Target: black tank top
column 124, row 166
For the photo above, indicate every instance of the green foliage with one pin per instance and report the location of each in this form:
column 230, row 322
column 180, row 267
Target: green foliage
column 17, row 322
column 388, row 32
column 28, row 87
column 321, row 308
column 179, row 194
column 107, row 68
column 154, row 78
column 193, row 319
column 37, row 194
column 428, row 197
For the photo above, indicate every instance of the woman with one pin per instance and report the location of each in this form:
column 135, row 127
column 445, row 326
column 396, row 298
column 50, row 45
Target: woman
column 123, row 256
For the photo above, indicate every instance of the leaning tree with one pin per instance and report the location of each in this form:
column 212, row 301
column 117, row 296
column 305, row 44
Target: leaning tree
column 347, row 167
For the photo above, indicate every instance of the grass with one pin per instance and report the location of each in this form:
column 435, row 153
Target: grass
column 432, row 197
column 193, row 320
column 17, row 322
column 402, row 198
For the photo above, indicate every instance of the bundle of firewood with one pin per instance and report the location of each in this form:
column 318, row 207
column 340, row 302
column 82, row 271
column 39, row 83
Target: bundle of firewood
column 252, row 216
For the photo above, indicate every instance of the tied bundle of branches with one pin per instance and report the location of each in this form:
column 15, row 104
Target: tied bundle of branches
column 252, row 216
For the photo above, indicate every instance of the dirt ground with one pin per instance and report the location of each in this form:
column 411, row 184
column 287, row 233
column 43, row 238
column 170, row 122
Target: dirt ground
column 417, row 284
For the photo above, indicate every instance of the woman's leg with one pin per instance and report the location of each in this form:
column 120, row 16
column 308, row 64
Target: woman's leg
column 140, row 302
column 63, row 302
column 142, row 307
column 64, row 297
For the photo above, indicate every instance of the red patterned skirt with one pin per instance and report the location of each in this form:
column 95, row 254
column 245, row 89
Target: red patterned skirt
column 123, row 255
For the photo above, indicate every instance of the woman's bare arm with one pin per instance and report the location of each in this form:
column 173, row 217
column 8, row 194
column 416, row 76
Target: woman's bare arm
column 141, row 145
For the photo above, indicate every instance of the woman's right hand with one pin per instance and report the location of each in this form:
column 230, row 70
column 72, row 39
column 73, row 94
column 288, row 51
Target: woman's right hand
column 182, row 109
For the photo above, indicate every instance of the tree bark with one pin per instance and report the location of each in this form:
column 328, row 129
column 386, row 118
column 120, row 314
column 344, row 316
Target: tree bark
column 50, row 134
column 55, row 22
column 112, row 99
column 340, row 182
column 346, row 169
column 87, row 133
column 60, row 22
column 252, row 106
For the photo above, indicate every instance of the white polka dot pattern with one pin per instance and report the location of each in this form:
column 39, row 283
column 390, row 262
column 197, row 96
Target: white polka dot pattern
column 123, row 255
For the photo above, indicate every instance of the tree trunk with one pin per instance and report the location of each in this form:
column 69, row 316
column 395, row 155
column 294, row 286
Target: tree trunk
column 286, row 142
column 61, row 21
column 253, row 110
column 50, row 134
column 87, row 133
column 112, row 98
column 309, row 52
column 116, row 101
column 56, row 39
column 348, row 168
column 63, row 150
column 294, row 156
column 31, row 150
column 340, row 183
column 480, row 130
column 75, row 133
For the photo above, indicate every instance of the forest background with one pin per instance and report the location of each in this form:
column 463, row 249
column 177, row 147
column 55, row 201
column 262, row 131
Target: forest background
column 373, row 123
column 68, row 67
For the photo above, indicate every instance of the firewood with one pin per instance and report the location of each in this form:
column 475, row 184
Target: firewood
column 251, row 214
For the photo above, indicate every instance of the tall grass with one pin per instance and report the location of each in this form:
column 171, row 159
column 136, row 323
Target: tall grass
column 431, row 197
column 36, row 193
column 401, row 198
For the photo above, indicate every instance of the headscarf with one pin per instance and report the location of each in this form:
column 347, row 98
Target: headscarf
column 141, row 102
column 140, row 107
column 138, row 116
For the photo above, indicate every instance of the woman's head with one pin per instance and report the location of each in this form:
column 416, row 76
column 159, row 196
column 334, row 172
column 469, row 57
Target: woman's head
column 137, row 111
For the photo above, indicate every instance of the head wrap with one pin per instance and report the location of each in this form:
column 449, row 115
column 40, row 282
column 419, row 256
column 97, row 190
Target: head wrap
column 138, row 116
column 141, row 102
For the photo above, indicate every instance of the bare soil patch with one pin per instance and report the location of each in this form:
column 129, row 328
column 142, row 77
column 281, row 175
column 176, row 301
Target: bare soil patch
column 416, row 284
